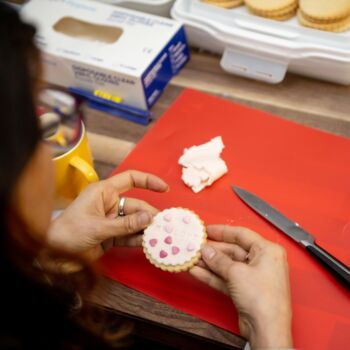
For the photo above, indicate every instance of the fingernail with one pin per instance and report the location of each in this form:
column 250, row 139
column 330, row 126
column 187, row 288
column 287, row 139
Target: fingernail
column 208, row 252
column 144, row 219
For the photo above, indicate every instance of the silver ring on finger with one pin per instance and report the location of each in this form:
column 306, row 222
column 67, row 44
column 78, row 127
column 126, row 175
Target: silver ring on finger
column 121, row 206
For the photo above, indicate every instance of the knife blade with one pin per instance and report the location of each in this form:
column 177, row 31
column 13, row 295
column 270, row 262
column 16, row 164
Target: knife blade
column 296, row 232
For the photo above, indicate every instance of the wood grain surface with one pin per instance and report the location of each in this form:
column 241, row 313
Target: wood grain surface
column 159, row 321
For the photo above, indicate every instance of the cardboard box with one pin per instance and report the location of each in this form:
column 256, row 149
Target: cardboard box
column 96, row 46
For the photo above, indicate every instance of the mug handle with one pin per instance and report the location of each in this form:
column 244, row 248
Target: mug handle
column 85, row 168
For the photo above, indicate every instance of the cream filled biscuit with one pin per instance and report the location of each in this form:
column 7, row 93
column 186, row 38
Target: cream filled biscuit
column 325, row 10
column 273, row 9
column 227, row 4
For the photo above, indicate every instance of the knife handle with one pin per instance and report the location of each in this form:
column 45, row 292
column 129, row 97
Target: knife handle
column 338, row 269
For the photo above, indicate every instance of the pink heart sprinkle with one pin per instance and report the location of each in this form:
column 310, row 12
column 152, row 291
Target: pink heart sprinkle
column 190, row 247
column 163, row 254
column 153, row 242
column 175, row 250
column 186, row 219
column 168, row 228
column 168, row 240
column 167, row 217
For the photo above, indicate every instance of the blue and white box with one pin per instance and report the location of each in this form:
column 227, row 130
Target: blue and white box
column 94, row 46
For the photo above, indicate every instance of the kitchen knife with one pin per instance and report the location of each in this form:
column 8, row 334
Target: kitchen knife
column 294, row 231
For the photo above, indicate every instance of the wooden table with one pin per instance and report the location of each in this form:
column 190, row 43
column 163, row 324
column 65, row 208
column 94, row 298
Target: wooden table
column 318, row 104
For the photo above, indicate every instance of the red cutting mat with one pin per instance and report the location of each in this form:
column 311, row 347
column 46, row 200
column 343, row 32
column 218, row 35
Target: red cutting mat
column 303, row 172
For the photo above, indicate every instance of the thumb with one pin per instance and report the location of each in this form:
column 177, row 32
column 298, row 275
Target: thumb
column 124, row 225
column 217, row 261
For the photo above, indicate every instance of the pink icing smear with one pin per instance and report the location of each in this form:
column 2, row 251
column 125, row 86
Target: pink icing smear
column 190, row 247
column 186, row 219
column 168, row 228
column 167, row 217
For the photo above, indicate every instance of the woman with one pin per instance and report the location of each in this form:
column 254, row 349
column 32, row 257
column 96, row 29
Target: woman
column 44, row 264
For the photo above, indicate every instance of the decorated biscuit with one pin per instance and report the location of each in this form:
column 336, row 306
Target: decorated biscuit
column 174, row 239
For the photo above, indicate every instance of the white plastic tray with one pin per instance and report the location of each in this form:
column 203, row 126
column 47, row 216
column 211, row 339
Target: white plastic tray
column 265, row 49
column 156, row 7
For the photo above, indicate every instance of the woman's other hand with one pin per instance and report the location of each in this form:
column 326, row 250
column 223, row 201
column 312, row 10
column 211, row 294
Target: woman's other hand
column 254, row 273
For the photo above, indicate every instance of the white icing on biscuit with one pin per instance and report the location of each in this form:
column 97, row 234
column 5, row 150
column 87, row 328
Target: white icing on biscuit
column 174, row 237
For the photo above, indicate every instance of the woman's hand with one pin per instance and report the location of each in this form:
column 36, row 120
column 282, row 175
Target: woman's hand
column 254, row 273
column 90, row 225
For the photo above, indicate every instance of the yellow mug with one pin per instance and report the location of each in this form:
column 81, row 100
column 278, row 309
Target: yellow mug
column 74, row 170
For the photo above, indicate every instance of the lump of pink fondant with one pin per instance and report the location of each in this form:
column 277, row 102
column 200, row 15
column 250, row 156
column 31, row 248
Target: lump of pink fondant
column 153, row 242
column 163, row 254
column 168, row 240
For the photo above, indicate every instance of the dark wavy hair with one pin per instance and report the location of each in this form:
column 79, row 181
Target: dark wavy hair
column 34, row 314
